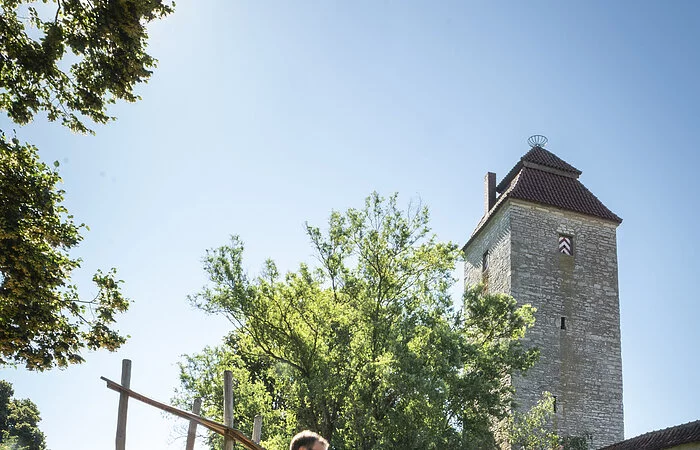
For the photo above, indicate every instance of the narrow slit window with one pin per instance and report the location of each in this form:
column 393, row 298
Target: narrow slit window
column 485, row 261
column 554, row 403
column 563, row 323
column 566, row 245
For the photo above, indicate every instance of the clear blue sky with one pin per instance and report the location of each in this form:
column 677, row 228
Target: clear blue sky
column 263, row 115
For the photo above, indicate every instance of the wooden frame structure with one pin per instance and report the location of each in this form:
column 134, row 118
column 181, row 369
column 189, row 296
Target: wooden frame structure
column 229, row 433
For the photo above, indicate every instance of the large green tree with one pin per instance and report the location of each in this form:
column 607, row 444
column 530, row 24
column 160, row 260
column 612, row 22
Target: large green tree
column 67, row 59
column 365, row 348
column 19, row 420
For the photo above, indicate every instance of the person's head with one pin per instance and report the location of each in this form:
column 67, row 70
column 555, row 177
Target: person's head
column 308, row 440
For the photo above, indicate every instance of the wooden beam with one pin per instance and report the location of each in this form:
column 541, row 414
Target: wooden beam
column 216, row 427
column 257, row 428
column 120, row 439
column 228, row 406
column 192, row 430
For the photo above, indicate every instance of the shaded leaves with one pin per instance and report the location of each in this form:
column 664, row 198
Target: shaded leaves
column 19, row 420
column 43, row 322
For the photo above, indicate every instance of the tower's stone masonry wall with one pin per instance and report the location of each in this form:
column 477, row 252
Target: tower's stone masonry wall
column 580, row 365
column 494, row 238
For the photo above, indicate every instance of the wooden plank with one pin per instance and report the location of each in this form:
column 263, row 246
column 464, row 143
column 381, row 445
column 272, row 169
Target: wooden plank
column 228, row 406
column 120, row 439
column 192, row 430
column 257, row 428
column 216, row 427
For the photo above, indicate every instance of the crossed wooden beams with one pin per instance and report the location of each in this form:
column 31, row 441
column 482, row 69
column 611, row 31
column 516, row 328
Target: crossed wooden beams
column 230, row 434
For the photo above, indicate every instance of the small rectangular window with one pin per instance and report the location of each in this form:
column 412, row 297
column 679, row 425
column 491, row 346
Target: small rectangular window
column 566, row 245
column 563, row 323
column 554, row 403
column 485, row 261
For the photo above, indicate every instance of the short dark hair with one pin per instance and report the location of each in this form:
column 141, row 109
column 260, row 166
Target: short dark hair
column 307, row 439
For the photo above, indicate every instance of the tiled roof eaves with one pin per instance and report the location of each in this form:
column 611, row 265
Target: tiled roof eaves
column 503, row 185
column 661, row 439
column 561, row 192
column 538, row 155
column 570, row 195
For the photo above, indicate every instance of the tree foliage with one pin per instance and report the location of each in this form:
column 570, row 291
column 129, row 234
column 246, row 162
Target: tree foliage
column 43, row 322
column 366, row 348
column 18, row 422
column 69, row 59
column 576, row 442
column 72, row 58
column 534, row 429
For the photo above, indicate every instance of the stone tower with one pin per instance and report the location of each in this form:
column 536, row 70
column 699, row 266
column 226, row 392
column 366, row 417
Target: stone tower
column 547, row 240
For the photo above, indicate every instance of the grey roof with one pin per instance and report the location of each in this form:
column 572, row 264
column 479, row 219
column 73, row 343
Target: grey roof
column 661, row 439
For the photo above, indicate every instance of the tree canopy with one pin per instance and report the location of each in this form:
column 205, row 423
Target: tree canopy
column 72, row 58
column 69, row 59
column 366, row 348
column 43, row 322
column 19, row 420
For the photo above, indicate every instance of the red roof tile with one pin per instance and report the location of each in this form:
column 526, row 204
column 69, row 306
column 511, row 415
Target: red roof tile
column 661, row 439
column 560, row 191
column 538, row 155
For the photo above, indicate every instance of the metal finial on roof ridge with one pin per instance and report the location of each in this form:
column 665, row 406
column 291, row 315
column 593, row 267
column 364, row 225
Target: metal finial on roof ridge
column 537, row 140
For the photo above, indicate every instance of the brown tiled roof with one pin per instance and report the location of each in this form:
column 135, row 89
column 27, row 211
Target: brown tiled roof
column 538, row 155
column 542, row 177
column 661, row 439
column 560, row 191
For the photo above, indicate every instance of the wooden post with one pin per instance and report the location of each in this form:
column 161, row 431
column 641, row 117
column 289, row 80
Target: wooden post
column 228, row 407
column 123, row 406
column 192, row 430
column 257, row 428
